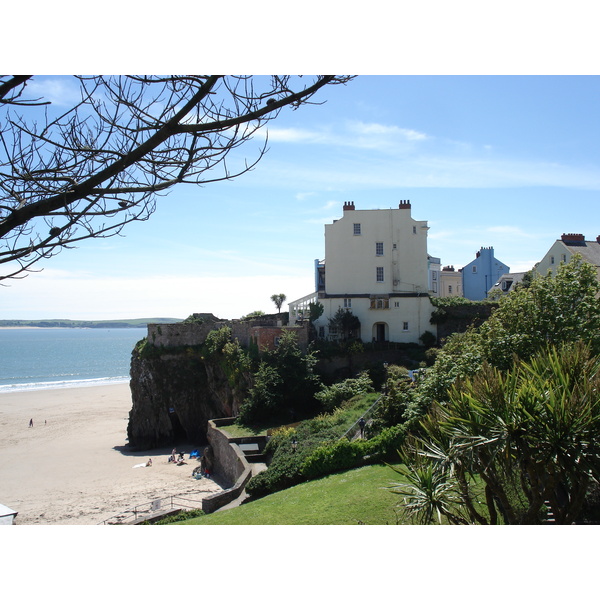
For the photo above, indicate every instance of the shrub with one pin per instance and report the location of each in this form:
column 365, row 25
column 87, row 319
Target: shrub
column 342, row 455
column 332, row 396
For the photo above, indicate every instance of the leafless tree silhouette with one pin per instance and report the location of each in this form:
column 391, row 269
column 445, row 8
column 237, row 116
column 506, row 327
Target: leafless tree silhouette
column 86, row 171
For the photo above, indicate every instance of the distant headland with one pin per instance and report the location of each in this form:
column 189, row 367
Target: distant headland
column 112, row 324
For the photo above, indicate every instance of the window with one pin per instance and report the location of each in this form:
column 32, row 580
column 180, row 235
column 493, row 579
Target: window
column 356, row 228
column 347, row 302
column 378, row 248
column 321, row 331
column 396, row 304
column 414, row 229
column 449, row 289
column 380, row 274
column 434, row 275
column 276, row 341
column 405, row 326
column 552, row 260
column 474, row 269
column 434, row 288
column 563, row 258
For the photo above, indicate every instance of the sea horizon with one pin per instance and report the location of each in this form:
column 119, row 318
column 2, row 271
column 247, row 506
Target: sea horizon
column 34, row 359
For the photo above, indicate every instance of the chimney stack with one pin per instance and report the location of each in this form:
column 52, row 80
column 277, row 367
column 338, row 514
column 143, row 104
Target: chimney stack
column 404, row 204
column 573, row 238
column 348, row 205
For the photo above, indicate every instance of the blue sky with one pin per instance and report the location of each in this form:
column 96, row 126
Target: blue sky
column 503, row 161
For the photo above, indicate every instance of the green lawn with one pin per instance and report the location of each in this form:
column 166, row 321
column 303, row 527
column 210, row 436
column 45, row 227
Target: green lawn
column 347, row 498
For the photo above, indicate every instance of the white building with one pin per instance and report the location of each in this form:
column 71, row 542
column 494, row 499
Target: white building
column 376, row 266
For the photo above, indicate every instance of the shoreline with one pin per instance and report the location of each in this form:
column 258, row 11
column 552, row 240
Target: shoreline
column 73, row 465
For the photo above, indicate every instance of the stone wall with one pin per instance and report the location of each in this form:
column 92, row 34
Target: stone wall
column 229, row 463
column 261, row 331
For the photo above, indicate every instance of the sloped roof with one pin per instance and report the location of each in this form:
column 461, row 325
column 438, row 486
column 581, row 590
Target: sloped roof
column 589, row 250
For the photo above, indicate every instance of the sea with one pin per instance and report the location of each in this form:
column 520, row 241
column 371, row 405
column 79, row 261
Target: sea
column 46, row 358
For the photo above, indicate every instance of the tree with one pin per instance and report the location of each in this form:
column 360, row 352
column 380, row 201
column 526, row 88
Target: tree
column 531, row 436
column 284, row 385
column 346, row 323
column 278, row 299
column 87, row 170
column 549, row 310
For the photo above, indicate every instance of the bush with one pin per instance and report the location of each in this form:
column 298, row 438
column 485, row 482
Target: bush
column 342, row 455
column 332, row 396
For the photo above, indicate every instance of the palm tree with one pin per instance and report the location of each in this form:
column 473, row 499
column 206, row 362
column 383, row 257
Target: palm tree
column 278, row 299
column 529, row 439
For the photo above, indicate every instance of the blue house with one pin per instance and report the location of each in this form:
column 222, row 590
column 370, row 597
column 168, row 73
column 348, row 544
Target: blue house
column 481, row 274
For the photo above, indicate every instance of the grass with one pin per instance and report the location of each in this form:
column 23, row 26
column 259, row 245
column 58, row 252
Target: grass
column 348, row 498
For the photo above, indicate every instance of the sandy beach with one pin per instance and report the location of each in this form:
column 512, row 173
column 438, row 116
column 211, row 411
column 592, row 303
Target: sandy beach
column 72, row 466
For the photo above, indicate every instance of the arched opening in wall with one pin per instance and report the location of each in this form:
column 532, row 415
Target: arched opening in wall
column 179, row 433
column 380, row 332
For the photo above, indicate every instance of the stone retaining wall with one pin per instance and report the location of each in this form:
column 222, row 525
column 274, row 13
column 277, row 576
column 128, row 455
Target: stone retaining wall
column 230, row 463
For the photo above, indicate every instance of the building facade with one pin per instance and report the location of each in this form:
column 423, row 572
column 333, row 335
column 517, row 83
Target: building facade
column 563, row 250
column 481, row 274
column 450, row 282
column 376, row 267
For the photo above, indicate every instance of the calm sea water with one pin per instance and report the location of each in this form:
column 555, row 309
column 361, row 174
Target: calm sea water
column 33, row 359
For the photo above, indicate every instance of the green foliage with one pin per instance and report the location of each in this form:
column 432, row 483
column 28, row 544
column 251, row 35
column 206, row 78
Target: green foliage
column 531, row 434
column 316, row 309
column 216, row 340
column 345, row 322
column 278, row 300
column 184, row 515
column 428, row 339
column 428, row 493
column 451, row 301
column 551, row 310
column 284, row 385
column 256, row 313
column 342, row 454
column 334, row 395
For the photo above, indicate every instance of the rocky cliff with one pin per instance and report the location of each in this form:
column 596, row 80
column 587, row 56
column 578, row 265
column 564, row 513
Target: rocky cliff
column 175, row 392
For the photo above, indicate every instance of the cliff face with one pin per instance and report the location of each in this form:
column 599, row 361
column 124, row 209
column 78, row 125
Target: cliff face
column 174, row 394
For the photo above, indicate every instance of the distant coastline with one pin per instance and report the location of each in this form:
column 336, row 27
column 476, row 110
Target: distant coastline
column 70, row 324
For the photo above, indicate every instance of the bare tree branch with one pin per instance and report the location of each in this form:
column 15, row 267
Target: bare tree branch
column 86, row 171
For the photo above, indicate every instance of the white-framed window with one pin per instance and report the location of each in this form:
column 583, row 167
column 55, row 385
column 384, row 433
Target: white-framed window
column 347, row 302
column 552, row 260
column 449, row 289
column 356, row 228
column 405, row 326
column 434, row 287
column 563, row 258
column 379, row 276
column 474, row 269
column 378, row 248
column 434, row 275
column 397, row 304
column 414, row 229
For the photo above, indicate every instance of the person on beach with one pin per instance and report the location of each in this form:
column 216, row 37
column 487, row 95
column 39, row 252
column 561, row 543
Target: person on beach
column 30, row 422
column 149, row 463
